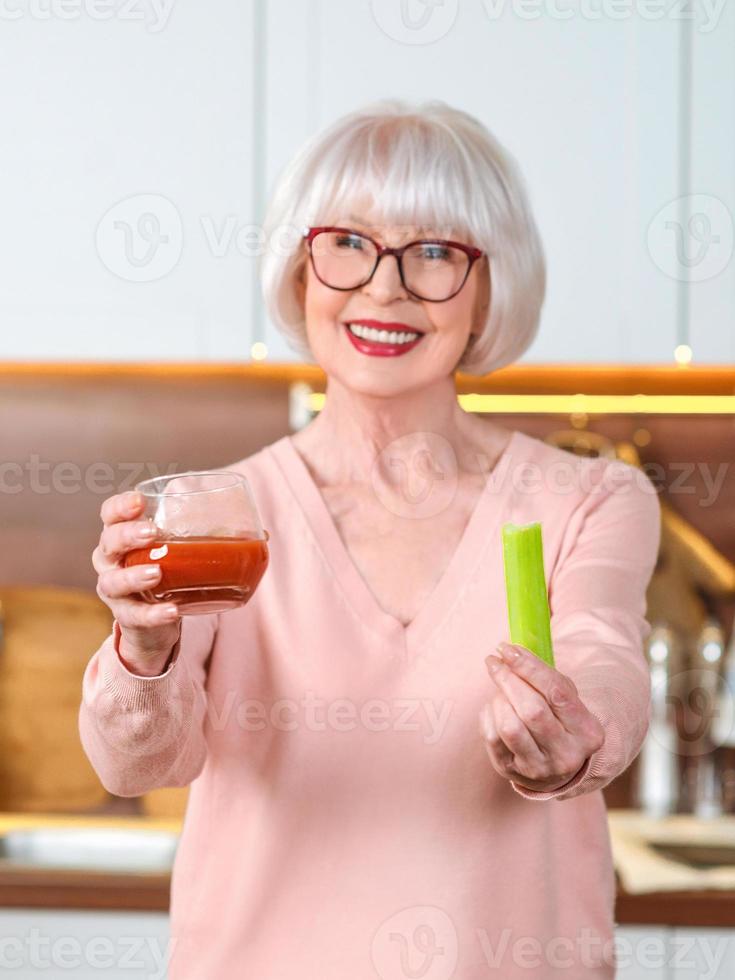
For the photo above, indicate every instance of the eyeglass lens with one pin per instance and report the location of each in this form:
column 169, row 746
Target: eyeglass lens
column 430, row 269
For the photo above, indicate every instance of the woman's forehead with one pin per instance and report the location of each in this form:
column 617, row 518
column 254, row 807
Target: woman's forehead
column 380, row 225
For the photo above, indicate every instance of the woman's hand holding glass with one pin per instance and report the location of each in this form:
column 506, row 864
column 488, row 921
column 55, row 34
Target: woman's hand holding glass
column 538, row 733
column 148, row 631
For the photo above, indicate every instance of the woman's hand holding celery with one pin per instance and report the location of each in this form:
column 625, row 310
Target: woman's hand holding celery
column 537, row 731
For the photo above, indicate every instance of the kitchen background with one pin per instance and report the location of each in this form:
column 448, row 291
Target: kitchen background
column 140, row 143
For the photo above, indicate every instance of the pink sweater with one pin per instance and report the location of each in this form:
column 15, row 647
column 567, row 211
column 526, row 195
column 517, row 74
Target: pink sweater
column 344, row 820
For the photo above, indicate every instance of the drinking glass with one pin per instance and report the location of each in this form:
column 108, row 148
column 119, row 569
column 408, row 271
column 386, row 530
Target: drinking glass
column 210, row 545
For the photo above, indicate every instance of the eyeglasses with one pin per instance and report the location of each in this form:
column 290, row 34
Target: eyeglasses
column 430, row 269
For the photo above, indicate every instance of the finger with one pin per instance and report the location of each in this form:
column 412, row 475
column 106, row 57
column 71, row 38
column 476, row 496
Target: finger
column 504, row 764
column 558, row 690
column 121, row 507
column 500, row 754
column 546, row 679
column 530, row 706
column 116, row 583
column 117, row 539
column 133, row 613
column 527, row 756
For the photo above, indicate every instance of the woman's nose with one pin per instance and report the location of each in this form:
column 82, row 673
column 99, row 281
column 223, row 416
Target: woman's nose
column 386, row 282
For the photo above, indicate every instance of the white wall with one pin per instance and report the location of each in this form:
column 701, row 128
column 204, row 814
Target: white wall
column 98, row 112
column 624, row 128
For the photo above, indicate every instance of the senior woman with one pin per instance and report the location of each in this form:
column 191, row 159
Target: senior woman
column 379, row 786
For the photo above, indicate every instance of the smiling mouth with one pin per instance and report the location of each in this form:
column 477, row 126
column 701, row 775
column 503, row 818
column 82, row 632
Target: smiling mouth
column 389, row 337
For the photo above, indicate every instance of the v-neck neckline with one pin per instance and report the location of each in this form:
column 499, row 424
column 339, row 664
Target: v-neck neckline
column 482, row 524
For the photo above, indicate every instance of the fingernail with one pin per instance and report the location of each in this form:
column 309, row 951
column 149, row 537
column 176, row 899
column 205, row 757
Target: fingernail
column 493, row 663
column 153, row 572
column 171, row 612
column 134, row 500
column 148, row 531
column 509, row 654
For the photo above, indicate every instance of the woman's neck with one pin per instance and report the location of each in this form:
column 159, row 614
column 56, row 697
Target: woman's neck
column 355, row 432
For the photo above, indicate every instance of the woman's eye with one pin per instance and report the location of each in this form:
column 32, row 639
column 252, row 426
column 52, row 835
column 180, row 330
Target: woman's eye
column 434, row 252
column 349, row 241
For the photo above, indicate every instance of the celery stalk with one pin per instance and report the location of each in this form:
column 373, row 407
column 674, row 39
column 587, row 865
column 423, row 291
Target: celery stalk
column 525, row 586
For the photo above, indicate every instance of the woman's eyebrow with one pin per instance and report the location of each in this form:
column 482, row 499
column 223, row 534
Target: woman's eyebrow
column 419, row 233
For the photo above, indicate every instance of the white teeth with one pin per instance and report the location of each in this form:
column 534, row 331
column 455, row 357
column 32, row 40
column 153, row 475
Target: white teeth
column 382, row 336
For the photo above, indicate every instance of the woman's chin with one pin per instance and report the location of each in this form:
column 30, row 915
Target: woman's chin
column 377, row 382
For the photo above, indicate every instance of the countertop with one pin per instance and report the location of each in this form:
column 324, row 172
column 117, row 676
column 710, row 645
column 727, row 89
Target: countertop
column 66, row 889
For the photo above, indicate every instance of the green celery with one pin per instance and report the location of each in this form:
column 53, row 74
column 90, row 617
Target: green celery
column 525, row 585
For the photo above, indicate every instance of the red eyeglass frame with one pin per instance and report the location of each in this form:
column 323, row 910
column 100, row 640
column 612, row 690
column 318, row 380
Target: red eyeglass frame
column 473, row 254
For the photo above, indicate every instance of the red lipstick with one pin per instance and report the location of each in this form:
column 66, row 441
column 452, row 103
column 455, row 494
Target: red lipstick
column 378, row 348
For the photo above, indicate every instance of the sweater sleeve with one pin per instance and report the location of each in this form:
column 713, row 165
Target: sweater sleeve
column 597, row 599
column 142, row 733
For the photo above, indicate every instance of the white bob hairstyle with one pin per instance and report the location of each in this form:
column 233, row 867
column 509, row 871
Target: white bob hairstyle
column 428, row 166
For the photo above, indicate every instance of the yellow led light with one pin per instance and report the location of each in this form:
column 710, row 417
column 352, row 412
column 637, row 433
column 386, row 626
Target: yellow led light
column 258, row 351
column 683, row 354
column 592, row 404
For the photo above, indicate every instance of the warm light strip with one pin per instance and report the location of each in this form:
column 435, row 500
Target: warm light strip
column 586, row 404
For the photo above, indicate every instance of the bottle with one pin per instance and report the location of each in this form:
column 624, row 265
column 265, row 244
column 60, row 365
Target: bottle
column 723, row 727
column 699, row 695
column 656, row 787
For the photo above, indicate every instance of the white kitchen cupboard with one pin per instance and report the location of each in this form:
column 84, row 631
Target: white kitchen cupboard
column 675, row 953
column 702, row 954
column 710, row 293
column 642, row 952
column 56, row 944
column 59, row 944
column 138, row 153
column 127, row 154
column 591, row 109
